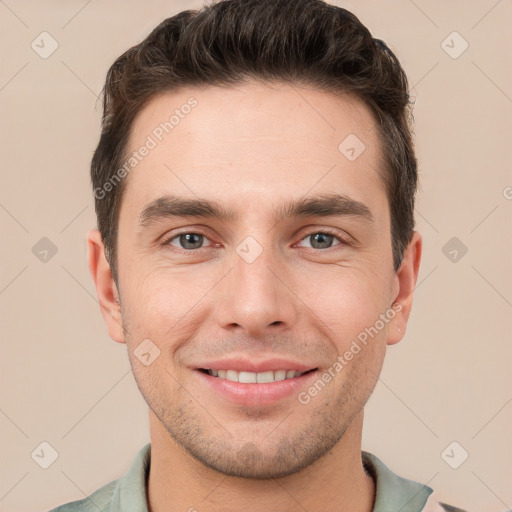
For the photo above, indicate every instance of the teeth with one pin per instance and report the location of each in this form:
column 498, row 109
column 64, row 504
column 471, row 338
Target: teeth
column 265, row 376
column 232, row 375
column 245, row 377
column 253, row 378
column 280, row 375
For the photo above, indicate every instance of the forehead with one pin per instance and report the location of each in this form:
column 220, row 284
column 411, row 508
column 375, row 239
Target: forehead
column 254, row 139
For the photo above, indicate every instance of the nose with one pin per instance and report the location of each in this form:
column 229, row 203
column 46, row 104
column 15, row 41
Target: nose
column 257, row 296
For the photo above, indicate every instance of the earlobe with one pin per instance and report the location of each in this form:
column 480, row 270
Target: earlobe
column 106, row 289
column 405, row 282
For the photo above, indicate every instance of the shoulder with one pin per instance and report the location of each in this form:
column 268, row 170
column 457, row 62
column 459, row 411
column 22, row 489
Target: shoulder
column 393, row 492
column 98, row 501
column 125, row 494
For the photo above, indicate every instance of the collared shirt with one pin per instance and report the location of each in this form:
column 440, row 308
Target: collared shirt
column 129, row 492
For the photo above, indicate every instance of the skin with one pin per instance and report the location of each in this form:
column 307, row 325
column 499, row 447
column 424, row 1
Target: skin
column 251, row 147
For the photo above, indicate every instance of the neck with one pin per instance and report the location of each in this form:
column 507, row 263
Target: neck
column 335, row 482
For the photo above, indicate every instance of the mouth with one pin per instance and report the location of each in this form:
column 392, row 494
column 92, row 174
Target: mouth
column 263, row 388
column 245, row 377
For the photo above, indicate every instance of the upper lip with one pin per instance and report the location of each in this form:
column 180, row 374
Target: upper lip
column 253, row 365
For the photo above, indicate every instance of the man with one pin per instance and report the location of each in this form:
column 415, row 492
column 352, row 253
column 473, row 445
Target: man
column 254, row 186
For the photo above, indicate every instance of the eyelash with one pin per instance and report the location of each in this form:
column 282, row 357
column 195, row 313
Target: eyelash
column 167, row 241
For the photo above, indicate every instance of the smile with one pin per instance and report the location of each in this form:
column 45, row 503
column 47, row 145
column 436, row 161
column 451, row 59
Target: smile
column 249, row 388
column 245, row 377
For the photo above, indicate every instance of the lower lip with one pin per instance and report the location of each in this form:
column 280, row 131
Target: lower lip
column 256, row 394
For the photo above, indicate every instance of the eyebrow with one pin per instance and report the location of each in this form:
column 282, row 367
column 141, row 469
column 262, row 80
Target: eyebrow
column 324, row 205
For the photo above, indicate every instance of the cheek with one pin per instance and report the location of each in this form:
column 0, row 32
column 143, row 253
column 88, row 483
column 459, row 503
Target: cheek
column 348, row 304
column 166, row 304
column 161, row 304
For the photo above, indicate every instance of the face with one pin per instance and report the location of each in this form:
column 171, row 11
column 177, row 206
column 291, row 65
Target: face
column 254, row 242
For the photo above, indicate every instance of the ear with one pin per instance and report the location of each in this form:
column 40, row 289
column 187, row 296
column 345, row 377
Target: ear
column 106, row 288
column 403, row 288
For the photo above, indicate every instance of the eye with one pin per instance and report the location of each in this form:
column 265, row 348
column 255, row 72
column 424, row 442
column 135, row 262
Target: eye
column 323, row 240
column 191, row 240
column 187, row 241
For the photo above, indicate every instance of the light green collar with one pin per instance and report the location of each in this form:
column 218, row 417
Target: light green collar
column 393, row 493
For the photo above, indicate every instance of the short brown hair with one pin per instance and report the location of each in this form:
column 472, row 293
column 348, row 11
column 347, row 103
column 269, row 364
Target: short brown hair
column 304, row 42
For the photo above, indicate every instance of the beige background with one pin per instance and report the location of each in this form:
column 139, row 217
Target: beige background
column 65, row 382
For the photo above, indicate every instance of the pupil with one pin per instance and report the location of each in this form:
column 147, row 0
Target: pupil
column 323, row 239
column 195, row 239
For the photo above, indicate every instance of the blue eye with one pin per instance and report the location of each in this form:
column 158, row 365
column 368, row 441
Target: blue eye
column 322, row 240
column 188, row 241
